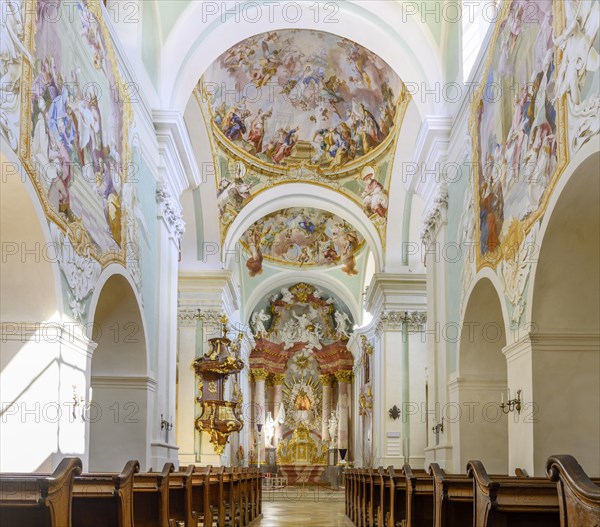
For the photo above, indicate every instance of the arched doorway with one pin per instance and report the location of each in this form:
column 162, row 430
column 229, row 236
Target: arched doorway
column 482, row 428
column 566, row 325
column 120, row 387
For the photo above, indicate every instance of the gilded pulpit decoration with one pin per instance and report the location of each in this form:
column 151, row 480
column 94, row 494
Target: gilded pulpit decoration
column 219, row 418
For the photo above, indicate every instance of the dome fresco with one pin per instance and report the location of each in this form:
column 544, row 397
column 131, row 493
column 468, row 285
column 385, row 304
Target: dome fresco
column 293, row 97
column 302, row 237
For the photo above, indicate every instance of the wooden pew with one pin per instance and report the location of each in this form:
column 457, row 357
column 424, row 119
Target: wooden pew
column 151, row 498
column 360, row 498
column 578, row 495
column 245, row 495
column 453, row 496
column 104, row 499
column 419, row 498
column 514, row 502
column 230, row 501
column 349, row 489
column 180, row 496
column 383, row 507
column 397, row 497
column 200, row 496
column 39, row 499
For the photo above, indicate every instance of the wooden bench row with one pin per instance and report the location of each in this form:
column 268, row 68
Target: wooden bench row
column 415, row 498
column 69, row 498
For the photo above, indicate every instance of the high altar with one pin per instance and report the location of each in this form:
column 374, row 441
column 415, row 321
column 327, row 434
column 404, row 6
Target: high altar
column 301, row 371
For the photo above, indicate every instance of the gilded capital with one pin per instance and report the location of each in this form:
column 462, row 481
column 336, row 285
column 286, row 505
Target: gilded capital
column 277, row 378
column 259, row 374
column 326, row 380
column 344, row 376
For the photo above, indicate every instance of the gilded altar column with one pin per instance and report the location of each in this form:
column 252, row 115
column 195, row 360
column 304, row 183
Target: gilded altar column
column 278, row 379
column 259, row 375
column 326, row 382
column 344, row 379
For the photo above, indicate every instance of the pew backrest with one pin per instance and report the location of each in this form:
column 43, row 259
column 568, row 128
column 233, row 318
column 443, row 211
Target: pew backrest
column 39, row 499
column 579, row 496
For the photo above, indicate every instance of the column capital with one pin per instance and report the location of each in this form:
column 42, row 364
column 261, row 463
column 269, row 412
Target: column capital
column 277, row 379
column 259, row 374
column 344, row 376
column 416, row 320
column 327, row 379
column 187, row 316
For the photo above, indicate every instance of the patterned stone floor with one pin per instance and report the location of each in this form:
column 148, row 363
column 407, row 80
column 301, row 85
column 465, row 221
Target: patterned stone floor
column 308, row 509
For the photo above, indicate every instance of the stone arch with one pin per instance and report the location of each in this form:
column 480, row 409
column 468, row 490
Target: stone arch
column 481, row 429
column 121, row 390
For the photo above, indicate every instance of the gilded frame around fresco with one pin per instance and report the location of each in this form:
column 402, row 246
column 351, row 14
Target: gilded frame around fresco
column 279, row 175
column 517, row 229
column 75, row 230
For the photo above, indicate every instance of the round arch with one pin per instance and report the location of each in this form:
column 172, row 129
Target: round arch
column 285, row 278
column 565, row 315
column 121, row 392
column 303, row 195
column 584, row 163
column 482, row 377
column 412, row 52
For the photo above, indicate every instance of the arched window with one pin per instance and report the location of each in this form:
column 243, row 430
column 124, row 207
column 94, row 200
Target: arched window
column 478, row 17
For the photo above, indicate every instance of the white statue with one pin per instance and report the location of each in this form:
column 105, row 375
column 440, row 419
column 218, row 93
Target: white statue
column 258, row 322
column 303, row 322
column 286, row 296
column 314, row 337
column 290, row 334
column 333, row 427
column 577, row 44
column 269, row 429
column 312, row 313
column 342, row 322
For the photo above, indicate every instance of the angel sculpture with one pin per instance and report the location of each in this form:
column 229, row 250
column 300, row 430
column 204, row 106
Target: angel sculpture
column 258, row 322
column 342, row 322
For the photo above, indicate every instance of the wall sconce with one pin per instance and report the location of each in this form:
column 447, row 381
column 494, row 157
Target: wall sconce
column 77, row 400
column 164, row 424
column 512, row 404
column 439, row 427
column 394, row 412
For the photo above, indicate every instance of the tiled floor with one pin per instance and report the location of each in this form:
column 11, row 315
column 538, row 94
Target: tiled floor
column 304, row 510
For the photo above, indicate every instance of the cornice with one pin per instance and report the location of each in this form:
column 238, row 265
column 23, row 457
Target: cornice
column 176, row 150
column 216, row 289
column 431, row 150
column 71, row 335
column 396, row 292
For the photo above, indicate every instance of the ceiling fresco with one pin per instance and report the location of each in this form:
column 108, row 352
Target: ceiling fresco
column 294, row 96
column 302, row 237
column 302, row 106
